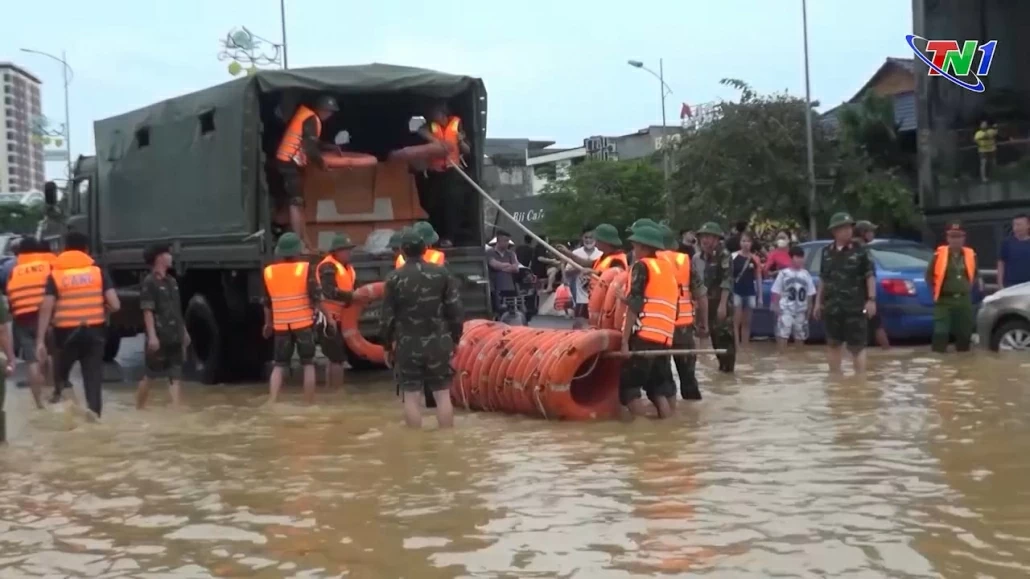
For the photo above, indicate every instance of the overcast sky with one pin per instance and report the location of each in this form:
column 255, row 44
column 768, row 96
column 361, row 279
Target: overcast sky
column 553, row 70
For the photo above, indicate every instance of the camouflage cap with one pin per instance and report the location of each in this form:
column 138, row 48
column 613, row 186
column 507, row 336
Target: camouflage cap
column 425, row 229
column 341, row 241
column 711, row 228
column 840, row 219
column 640, row 222
column 607, row 233
column 649, row 236
column 864, row 225
column 289, row 245
column 395, row 240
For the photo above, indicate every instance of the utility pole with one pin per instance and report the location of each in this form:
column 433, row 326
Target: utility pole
column 670, row 204
column 812, row 226
column 282, row 22
column 67, row 122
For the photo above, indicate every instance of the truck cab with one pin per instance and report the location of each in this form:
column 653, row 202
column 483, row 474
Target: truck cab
column 197, row 172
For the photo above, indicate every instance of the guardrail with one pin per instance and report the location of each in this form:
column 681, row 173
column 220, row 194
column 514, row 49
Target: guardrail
column 990, row 277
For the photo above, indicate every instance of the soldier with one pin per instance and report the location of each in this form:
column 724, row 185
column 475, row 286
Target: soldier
column 865, row 232
column 336, row 277
column 395, row 246
column 651, row 306
column 692, row 290
column 420, row 325
column 951, row 274
column 845, row 299
column 7, row 342
column 167, row 338
column 714, row 260
column 429, row 237
column 292, row 296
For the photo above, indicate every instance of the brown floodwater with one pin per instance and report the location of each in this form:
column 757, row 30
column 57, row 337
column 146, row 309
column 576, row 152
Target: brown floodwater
column 921, row 471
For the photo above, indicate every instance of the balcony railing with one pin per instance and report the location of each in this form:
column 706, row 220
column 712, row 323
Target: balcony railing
column 1005, row 176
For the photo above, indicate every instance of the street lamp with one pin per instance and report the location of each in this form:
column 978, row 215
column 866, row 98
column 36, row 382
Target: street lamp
column 282, row 24
column 813, row 229
column 67, row 74
column 670, row 205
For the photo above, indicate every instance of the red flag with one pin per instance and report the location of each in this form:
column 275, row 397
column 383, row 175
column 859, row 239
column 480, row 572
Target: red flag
column 685, row 111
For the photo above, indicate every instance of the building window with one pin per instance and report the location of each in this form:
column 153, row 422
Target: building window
column 143, row 137
column 8, row 100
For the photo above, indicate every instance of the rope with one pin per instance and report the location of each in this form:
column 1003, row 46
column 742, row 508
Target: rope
column 593, row 365
column 539, row 404
column 461, row 386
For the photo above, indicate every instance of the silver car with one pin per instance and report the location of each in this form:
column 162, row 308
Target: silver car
column 1003, row 322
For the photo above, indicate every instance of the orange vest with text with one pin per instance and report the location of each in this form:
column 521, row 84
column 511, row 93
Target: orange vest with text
column 685, row 305
column 80, row 291
column 27, row 282
column 345, row 277
column 657, row 321
column 291, row 147
column 940, row 267
column 433, row 256
column 448, row 134
column 287, row 285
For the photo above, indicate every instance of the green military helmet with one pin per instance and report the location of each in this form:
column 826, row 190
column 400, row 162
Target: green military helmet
column 840, row 219
column 711, row 228
column 607, row 233
column 289, row 245
column 865, row 225
column 670, row 238
column 412, row 241
column 395, row 239
column 341, row 241
column 642, row 222
column 649, row 236
column 425, row 229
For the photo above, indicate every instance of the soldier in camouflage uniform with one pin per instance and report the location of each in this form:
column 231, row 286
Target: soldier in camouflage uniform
column 845, row 299
column 715, row 261
column 167, row 339
column 7, row 369
column 420, row 325
column 683, row 338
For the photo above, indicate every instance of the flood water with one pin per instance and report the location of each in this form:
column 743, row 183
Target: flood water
column 922, row 471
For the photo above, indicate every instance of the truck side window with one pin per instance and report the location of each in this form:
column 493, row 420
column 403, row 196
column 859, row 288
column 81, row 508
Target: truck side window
column 207, row 122
column 143, row 137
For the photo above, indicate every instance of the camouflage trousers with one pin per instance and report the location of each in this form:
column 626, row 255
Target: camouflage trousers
column 423, row 364
column 686, row 366
column 846, row 327
column 722, row 332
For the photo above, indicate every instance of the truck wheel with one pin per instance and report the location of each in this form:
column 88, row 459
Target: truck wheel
column 111, row 346
column 204, row 364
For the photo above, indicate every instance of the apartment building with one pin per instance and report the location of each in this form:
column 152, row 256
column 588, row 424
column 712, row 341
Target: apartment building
column 21, row 157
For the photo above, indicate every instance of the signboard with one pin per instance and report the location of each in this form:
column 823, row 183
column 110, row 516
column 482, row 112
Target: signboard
column 55, row 155
column 601, row 148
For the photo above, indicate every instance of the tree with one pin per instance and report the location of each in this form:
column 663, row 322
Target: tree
column 616, row 192
column 17, row 218
column 749, row 163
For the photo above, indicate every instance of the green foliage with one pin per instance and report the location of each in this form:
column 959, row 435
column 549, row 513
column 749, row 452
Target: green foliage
column 16, row 218
column 603, row 192
column 750, row 163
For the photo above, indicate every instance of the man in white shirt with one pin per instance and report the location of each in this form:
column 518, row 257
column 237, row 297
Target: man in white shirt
column 580, row 284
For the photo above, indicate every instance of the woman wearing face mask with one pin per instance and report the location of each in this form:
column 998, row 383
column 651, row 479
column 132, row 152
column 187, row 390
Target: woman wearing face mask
column 779, row 257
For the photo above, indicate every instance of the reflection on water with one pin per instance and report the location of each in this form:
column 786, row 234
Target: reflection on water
column 781, row 472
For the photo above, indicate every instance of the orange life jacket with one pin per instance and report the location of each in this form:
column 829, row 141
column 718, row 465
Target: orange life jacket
column 940, row 267
column 685, row 309
column 448, row 134
column 657, row 321
column 27, row 282
column 291, row 146
column 80, row 291
column 433, row 256
column 287, row 285
column 605, row 261
column 345, row 277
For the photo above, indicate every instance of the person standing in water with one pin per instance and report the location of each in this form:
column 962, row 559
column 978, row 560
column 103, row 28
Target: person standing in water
column 336, row 277
column 420, row 324
column 692, row 291
column 167, row 338
column 7, row 344
column 747, row 286
column 716, row 262
column 292, row 296
column 845, row 298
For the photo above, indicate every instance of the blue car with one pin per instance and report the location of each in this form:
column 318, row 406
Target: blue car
column 904, row 301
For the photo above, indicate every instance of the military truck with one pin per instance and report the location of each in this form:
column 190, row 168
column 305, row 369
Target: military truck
column 197, row 172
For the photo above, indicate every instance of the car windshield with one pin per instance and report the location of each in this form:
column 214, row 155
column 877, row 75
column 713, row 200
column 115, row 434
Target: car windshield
column 901, row 256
